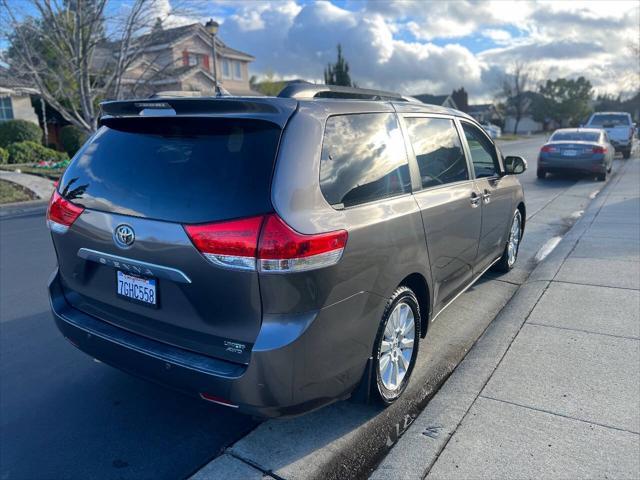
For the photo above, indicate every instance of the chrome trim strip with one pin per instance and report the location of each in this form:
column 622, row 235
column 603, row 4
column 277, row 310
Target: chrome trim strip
column 134, row 266
column 466, row 288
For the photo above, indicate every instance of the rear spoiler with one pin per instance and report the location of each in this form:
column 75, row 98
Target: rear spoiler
column 277, row 112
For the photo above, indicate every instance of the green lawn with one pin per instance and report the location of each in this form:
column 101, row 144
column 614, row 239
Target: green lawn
column 10, row 192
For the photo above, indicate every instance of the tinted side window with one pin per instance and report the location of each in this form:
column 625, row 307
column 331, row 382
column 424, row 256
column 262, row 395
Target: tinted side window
column 438, row 151
column 363, row 159
column 483, row 153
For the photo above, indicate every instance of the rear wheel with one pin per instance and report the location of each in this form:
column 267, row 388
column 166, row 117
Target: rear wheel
column 626, row 154
column 601, row 177
column 541, row 174
column 396, row 347
column 510, row 254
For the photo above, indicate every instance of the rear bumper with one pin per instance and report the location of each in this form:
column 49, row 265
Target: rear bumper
column 621, row 145
column 596, row 165
column 290, row 372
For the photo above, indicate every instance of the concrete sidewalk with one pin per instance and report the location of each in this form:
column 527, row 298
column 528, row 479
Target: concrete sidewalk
column 41, row 186
column 552, row 388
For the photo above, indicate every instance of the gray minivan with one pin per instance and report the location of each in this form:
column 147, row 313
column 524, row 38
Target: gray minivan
column 273, row 254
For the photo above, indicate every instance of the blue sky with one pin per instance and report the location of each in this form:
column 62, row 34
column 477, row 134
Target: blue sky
column 420, row 46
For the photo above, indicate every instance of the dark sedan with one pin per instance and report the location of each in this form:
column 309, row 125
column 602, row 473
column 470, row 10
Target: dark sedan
column 584, row 150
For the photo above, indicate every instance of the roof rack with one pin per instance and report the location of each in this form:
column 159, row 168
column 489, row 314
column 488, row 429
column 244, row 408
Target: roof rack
column 307, row 91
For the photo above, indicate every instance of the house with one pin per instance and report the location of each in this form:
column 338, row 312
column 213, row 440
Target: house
column 527, row 124
column 486, row 113
column 15, row 99
column 442, row 100
column 180, row 59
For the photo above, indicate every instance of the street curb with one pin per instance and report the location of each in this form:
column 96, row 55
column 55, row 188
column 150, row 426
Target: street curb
column 20, row 209
column 353, row 444
column 419, row 448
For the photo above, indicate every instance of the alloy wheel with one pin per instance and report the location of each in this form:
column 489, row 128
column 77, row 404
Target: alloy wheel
column 396, row 350
column 514, row 239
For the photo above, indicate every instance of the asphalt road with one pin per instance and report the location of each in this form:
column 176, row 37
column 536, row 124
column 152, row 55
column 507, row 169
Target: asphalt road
column 63, row 415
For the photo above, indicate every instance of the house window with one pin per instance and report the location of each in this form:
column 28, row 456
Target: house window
column 226, row 68
column 237, row 71
column 6, row 109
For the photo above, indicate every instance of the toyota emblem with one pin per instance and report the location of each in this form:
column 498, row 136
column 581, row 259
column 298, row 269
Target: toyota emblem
column 124, row 236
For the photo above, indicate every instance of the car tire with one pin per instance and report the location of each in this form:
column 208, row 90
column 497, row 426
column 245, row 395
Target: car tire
column 610, row 168
column 626, row 154
column 541, row 174
column 396, row 346
column 510, row 254
column 601, row 177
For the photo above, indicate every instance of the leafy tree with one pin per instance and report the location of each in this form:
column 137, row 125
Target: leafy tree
column 567, row 99
column 269, row 86
column 65, row 51
column 338, row 73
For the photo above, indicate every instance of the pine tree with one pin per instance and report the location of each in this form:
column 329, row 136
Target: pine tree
column 338, row 73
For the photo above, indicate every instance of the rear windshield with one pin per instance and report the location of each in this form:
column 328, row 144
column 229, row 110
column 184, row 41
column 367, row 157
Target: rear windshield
column 610, row 120
column 575, row 137
column 188, row 170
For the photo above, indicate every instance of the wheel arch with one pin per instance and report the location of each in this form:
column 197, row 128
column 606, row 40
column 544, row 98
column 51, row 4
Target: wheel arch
column 523, row 213
column 418, row 283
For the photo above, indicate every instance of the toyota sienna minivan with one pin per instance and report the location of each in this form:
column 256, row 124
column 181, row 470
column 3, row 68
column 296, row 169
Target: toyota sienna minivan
column 276, row 254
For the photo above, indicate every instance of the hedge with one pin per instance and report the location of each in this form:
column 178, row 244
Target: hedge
column 33, row 152
column 4, row 156
column 13, row 131
column 72, row 138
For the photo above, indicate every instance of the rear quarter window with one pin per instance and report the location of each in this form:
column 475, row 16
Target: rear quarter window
column 363, row 159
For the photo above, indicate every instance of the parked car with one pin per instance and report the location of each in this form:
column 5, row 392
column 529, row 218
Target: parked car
column 585, row 150
column 273, row 254
column 619, row 128
column 494, row 131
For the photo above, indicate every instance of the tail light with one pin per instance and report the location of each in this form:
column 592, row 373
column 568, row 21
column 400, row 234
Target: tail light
column 549, row 149
column 599, row 149
column 228, row 244
column 62, row 213
column 281, row 249
column 267, row 244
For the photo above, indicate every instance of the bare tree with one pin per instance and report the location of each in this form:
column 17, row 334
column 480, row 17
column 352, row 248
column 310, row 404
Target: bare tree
column 75, row 56
column 514, row 87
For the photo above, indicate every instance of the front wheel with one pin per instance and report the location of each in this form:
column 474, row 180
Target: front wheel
column 396, row 347
column 510, row 254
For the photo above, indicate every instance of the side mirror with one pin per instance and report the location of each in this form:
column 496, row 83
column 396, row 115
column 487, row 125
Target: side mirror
column 515, row 165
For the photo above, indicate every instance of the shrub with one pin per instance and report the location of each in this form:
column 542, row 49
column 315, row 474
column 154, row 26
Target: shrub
column 33, row 152
column 13, row 131
column 72, row 138
column 4, row 156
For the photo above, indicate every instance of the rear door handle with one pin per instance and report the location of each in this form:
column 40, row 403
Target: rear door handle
column 475, row 200
column 486, row 196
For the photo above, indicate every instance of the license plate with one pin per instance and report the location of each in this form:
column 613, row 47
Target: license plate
column 139, row 289
column 569, row 153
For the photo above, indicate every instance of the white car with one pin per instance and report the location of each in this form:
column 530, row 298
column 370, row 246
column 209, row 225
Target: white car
column 494, row 131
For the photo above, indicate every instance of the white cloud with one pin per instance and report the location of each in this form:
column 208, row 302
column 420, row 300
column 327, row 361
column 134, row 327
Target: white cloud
column 497, row 35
